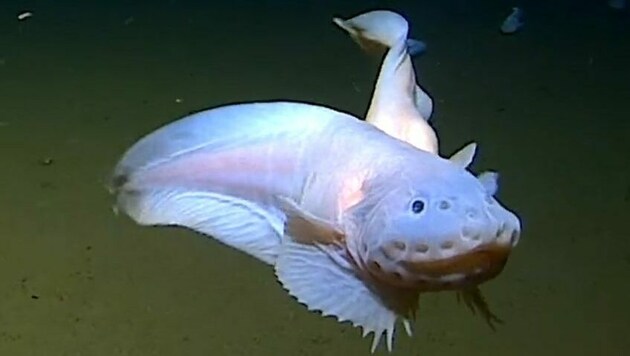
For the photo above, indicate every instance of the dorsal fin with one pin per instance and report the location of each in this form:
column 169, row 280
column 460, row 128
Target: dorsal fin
column 465, row 155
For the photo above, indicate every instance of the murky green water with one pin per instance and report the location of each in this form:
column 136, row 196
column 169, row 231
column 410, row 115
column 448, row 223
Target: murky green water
column 79, row 83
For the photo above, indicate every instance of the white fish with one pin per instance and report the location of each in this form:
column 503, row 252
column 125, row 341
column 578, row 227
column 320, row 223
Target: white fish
column 399, row 106
column 513, row 22
column 356, row 222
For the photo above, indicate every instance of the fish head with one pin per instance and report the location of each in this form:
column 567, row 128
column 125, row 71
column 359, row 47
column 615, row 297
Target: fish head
column 434, row 228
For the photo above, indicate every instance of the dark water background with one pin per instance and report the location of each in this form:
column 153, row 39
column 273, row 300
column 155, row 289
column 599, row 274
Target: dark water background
column 80, row 81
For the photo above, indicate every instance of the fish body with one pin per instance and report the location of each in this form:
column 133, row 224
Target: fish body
column 399, row 106
column 327, row 199
column 252, row 153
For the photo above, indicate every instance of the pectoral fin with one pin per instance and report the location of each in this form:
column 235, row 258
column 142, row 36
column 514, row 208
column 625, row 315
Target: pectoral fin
column 322, row 279
column 307, row 228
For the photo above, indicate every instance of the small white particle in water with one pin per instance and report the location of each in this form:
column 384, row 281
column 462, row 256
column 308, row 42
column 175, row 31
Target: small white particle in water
column 178, row 100
column 24, row 15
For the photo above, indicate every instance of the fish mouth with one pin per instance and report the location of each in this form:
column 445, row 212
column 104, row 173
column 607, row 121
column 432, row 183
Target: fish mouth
column 471, row 254
column 470, row 268
column 463, row 270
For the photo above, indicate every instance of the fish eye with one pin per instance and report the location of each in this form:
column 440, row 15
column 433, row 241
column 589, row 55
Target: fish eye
column 417, row 206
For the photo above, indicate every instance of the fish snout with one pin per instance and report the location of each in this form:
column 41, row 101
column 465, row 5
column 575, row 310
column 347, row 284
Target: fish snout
column 494, row 225
column 508, row 225
column 459, row 246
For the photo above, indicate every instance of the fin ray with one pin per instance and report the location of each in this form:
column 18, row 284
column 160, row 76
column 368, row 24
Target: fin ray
column 310, row 275
column 235, row 222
